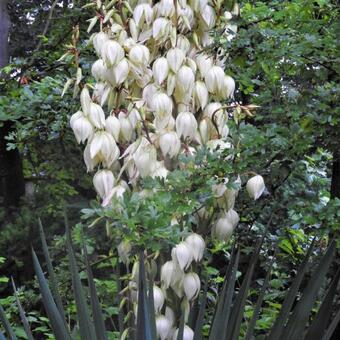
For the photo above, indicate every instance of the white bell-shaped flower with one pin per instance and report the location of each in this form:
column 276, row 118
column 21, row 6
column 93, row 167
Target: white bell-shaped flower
column 205, row 130
column 197, row 245
column 201, row 94
column 209, row 16
column 159, row 298
column 233, row 217
column 191, row 285
column 104, row 147
column 112, row 126
column 175, row 58
column 159, row 170
column 143, row 12
column 204, row 63
column 183, row 43
column 186, row 125
column 255, row 186
column 148, row 94
column 97, row 116
column 163, row 327
column 121, row 71
column 185, row 79
column 188, row 333
column 166, row 8
column 228, row 88
column 98, row 70
column 145, row 159
column 126, row 128
column 99, row 41
column 139, row 55
column 160, row 69
column 112, row 53
column 161, row 29
column 170, row 144
column 81, row 126
column 170, row 274
column 103, row 182
column 223, row 229
column 182, row 255
column 90, row 162
column 162, row 104
column 214, row 79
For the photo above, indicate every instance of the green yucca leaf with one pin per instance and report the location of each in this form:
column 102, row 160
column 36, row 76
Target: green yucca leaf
column 299, row 318
column 7, row 325
column 57, row 324
column 331, row 328
column 287, row 304
column 86, row 328
column 22, row 313
column 200, row 318
column 119, row 299
column 2, row 337
column 222, row 311
column 181, row 325
column 144, row 328
column 320, row 322
column 256, row 313
column 52, row 277
column 98, row 319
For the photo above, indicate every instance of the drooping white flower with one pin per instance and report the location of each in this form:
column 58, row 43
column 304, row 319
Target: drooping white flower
column 81, row 127
column 208, row 16
column 159, row 298
column 166, row 8
column 143, row 12
column 197, row 245
column 228, row 88
column 162, row 104
column 163, row 327
column 185, row 79
column 214, row 79
column 255, row 186
column 145, row 159
column 121, row 71
column 183, row 43
column 223, row 229
column 170, row 144
column 119, row 189
column 201, row 94
column 205, row 128
column 112, row 125
column 139, row 55
column 97, row 116
column 98, row 70
column 99, row 41
column 170, row 274
column 191, row 285
column 182, row 255
column 188, row 333
column 175, row 58
column 160, row 69
column 126, row 128
column 134, row 117
column 103, row 182
column 186, row 125
column 112, row 53
column 161, row 29
column 104, row 147
column 204, row 63
column 90, row 162
column 148, row 94
column 124, row 250
column 85, row 100
column 233, row 217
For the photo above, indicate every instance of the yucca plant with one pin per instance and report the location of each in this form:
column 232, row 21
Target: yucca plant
column 293, row 321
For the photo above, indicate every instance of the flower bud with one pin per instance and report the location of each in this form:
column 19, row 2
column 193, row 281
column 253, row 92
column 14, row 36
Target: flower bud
column 170, row 144
column 163, row 327
column 214, row 79
column 98, row 70
column 141, row 13
column 139, row 55
column 160, row 70
column 255, row 187
column 182, row 255
column 175, row 58
column 97, row 116
column 185, row 79
column 197, row 245
column 112, row 126
column 112, row 53
column 201, row 94
column 103, row 182
column 85, row 100
column 81, row 126
column 124, row 250
column 159, row 298
column 188, row 333
column 186, row 125
column 191, row 285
